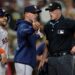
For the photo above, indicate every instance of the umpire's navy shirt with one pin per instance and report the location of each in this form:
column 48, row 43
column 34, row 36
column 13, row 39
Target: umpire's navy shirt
column 26, row 51
column 60, row 35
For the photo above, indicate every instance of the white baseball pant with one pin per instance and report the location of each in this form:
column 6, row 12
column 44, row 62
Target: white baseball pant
column 23, row 69
column 2, row 69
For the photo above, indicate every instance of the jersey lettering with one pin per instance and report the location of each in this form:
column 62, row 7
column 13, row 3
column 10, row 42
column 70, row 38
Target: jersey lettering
column 5, row 40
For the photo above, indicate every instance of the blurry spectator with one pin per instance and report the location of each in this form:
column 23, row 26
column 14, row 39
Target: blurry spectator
column 20, row 3
column 70, row 11
column 30, row 2
column 44, row 16
column 1, row 2
column 6, row 5
column 14, row 14
column 41, row 3
column 73, row 1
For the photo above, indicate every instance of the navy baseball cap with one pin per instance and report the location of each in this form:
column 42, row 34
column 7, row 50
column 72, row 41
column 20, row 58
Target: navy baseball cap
column 4, row 13
column 32, row 9
column 53, row 6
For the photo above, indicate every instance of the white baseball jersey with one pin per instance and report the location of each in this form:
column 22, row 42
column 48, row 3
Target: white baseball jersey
column 3, row 45
column 4, row 39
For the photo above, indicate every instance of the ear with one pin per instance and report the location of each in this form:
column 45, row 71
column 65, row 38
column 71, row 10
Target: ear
column 23, row 16
column 27, row 14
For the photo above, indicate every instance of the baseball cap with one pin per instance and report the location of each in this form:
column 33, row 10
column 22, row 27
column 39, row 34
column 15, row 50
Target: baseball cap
column 4, row 13
column 32, row 9
column 53, row 6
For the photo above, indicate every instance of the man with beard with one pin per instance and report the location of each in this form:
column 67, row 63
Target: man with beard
column 3, row 40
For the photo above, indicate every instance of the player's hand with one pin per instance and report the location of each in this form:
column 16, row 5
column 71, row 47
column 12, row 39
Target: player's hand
column 42, row 62
column 39, row 57
column 36, row 25
column 73, row 50
column 4, row 58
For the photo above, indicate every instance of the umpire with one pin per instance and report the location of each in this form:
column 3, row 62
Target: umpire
column 61, row 42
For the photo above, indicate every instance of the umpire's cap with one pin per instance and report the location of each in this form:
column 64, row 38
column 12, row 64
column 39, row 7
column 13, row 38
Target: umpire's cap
column 53, row 6
column 32, row 9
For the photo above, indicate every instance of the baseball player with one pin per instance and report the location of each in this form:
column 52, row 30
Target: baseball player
column 25, row 55
column 3, row 41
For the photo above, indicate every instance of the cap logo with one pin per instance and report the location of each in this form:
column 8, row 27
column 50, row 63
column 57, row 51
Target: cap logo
column 50, row 4
column 3, row 10
column 35, row 7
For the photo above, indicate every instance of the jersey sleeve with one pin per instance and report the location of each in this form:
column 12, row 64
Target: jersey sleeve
column 40, row 48
column 2, row 51
column 25, row 30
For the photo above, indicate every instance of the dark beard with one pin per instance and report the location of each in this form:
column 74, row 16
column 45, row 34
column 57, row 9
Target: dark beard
column 3, row 26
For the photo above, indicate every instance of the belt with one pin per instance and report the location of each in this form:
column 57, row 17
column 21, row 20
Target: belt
column 59, row 54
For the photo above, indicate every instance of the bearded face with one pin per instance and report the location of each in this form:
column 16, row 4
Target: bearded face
column 3, row 21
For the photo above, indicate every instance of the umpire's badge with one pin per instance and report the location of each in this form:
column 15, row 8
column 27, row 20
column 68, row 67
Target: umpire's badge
column 60, row 31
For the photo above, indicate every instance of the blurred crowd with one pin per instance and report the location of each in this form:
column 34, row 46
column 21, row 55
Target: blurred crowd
column 15, row 9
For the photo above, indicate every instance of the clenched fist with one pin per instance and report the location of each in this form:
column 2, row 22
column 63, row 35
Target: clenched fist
column 36, row 25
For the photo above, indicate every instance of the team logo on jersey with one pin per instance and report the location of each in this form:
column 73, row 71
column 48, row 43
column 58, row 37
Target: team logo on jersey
column 5, row 40
column 60, row 31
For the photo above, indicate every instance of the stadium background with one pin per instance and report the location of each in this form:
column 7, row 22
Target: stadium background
column 15, row 8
